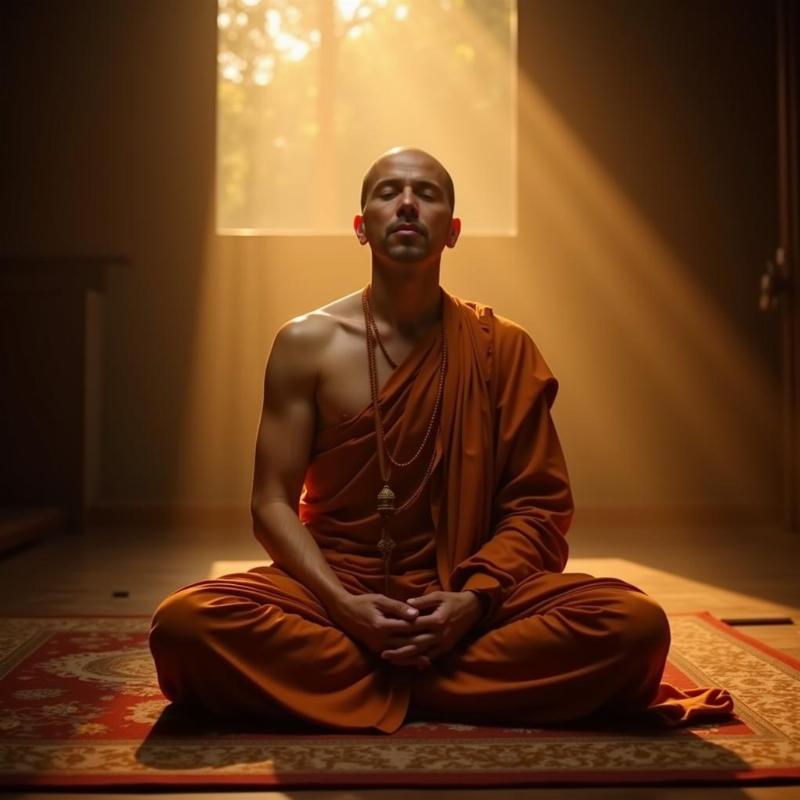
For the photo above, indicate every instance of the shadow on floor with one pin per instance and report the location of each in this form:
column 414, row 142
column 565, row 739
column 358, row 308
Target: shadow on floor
column 431, row 753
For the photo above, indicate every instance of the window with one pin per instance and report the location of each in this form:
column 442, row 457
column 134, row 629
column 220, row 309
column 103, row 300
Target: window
column 310, row 92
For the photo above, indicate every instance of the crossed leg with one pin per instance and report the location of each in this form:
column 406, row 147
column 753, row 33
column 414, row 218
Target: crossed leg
column 562, row 647
column 260, row 644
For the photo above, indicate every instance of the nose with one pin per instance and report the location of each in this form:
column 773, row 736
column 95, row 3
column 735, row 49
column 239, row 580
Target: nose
column 408, row 203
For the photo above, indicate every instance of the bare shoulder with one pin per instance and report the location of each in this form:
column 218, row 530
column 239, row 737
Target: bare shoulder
column 345, row 310
column 303, row 340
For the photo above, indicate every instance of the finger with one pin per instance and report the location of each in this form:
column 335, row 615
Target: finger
column 426, row 600
column 422, row 659
column 402, row 652
column 422, row 640
column 427, row 622
column 396, row 608
column 396, row 627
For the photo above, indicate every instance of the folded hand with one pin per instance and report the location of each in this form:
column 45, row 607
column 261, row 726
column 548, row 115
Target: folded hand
column 444, row 619
column 377, row 621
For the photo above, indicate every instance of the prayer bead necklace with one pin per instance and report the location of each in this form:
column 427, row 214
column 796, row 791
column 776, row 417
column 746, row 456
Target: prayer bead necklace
column 374, row 328
column 386, row 497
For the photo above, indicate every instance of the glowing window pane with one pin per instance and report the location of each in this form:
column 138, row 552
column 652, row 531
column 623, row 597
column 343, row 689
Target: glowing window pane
column 311, row 91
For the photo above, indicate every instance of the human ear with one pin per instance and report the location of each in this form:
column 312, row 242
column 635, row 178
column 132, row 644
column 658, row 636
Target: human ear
column 358, row 227
column 455, row 230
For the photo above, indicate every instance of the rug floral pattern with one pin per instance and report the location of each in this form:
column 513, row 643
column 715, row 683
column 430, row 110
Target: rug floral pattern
column 80, row 705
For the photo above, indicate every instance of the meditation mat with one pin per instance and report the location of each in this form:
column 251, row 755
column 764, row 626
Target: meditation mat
column 80, row 707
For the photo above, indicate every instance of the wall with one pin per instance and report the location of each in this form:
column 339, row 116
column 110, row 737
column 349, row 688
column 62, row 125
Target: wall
column 647, row 209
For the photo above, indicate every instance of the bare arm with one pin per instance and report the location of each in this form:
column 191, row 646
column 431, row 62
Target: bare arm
column 283, row 449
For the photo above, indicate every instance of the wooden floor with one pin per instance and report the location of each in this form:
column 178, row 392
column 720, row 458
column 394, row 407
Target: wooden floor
column 743, row 574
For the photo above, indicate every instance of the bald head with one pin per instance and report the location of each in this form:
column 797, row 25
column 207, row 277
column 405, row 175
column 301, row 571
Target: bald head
column 399, row 155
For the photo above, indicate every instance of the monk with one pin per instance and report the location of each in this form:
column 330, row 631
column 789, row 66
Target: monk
column 412, row 493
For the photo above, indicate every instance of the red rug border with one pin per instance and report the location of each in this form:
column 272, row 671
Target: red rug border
column 393, row 780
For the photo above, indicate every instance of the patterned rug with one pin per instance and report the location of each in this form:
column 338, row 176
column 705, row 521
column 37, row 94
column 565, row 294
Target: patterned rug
column 80, row 707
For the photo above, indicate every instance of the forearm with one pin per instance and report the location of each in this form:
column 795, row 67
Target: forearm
column 280, row 531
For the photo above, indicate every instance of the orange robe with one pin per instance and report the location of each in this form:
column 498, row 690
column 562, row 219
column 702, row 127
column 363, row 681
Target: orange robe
column 551, row 647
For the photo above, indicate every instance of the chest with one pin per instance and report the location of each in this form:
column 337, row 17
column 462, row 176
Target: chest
column 343, row 389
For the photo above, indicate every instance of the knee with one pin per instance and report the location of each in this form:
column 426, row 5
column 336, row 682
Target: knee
column 177, row 622
column 644, row 629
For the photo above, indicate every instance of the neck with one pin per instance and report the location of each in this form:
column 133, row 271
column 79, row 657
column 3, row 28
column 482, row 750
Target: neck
column 408, row 302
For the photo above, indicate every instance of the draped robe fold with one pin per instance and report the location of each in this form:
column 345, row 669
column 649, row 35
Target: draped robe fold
column 493, row 518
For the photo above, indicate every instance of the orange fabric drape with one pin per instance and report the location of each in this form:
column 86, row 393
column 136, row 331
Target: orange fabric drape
column 499, row 498
column 551, row 646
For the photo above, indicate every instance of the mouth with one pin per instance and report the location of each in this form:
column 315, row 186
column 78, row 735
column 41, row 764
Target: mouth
column 405, row 230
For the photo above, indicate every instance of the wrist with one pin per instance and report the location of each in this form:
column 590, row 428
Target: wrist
column 337, row 601
column 477, row 604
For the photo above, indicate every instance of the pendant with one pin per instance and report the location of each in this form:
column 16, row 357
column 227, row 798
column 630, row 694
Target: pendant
column 386, row 544
column 385, row 500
